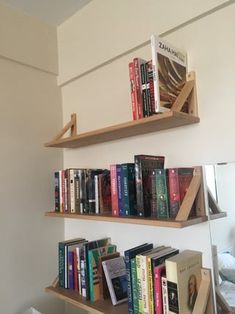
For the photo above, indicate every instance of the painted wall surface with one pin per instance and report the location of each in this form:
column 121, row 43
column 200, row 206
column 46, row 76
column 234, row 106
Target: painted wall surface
column 102, row 97
column 30, row 106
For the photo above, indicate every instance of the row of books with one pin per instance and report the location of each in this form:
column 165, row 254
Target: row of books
column 152, row 280
column 155, row 84
column 142, row 188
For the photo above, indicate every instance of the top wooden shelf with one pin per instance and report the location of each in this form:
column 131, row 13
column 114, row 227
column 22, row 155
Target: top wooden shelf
column 162, row 121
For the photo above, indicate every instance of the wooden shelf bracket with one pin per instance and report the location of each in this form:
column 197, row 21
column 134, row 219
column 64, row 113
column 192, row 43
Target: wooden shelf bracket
column 188, row 93
column 194, row 192
column 72, row 125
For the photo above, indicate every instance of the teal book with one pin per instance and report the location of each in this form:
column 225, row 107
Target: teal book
column 93, row 261
column 161, row 194
column 129, row 189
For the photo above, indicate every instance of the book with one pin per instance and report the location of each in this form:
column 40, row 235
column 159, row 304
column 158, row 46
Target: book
column 90, row 187
column 133, row 91
column 104, row 291
column 183, row 273
column 114, row 190
column 169, row 66
column 94, row 279
column 105, row 205
column 128, row 189
column 138, row 85
column 162, row 209
column 120, row 192
column 165, row 307
column 144, row 165
column 130, row 255
column 173, row 191
column 159, row 271
column 62, row 257
column 89, row 246
column 115, row 274
column 57, row 190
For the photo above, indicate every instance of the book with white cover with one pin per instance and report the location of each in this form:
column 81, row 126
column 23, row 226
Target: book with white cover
column 115, row 274
column 169, row 66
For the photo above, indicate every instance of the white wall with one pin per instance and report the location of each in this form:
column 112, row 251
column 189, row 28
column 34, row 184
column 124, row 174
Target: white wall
column 30, row 106
column 102, row 97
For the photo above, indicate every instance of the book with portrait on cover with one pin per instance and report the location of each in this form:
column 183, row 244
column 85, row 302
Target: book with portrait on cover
column 183, row 273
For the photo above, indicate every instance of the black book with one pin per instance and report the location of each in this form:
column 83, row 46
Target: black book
column 144, row 165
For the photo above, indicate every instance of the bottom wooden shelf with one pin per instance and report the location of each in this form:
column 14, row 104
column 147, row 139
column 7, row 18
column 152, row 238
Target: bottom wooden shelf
column 132, row 220
column 98, row 307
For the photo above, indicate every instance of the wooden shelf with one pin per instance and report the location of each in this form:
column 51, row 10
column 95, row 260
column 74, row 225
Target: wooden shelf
column 97, row 307
column 162, row 121
column 131, row 220
column 218, row 215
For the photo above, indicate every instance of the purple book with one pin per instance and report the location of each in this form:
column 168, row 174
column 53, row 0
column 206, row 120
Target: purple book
column 71, row 269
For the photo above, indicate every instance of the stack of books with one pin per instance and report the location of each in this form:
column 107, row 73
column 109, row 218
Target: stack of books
column 155, row 84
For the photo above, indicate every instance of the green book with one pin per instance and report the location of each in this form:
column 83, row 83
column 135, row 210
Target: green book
column 134, row 284
column 94, row 279
column 161, row 194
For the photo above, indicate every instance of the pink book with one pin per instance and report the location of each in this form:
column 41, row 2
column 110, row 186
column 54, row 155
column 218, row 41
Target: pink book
column 159, row 271
column 114, row 190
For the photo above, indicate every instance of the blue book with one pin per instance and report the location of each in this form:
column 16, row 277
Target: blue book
column 120, row 190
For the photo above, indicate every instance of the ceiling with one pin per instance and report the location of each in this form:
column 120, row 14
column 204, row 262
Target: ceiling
column 53, row 12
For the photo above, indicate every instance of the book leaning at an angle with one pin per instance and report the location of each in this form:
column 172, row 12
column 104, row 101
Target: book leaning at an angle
column 115, row 274
column 183, row 273
column 169, row 66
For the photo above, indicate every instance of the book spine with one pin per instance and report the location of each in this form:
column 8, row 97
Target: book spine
column 143, row 90
column 139, row 285
column 71, row 189
column 66, row 205
column 150, row 285
column 97, row 207
column 91, row 278
column 162, row 195
column 154, row 45
column 148, row 94
column 144, row 284
column 71, row 270
column 151, row 86
column 137, row 80
column 83, row 277
column 61, row 264
column 78, row 254
column 57, row 191
column 114, row 191
column 75, row 270
column 120, row 191
column 134, row 286
column 126, row 199
column 129, row 287
column 165, row 307
column 139, row 187
column 109, row 283
column 76, row 191
column 63, row 191
column 173, row 190
column 153, row 195
column 133, row 91
column 158, row 290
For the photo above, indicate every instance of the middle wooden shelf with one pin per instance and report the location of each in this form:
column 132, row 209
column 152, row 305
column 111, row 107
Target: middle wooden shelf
column 171, row 223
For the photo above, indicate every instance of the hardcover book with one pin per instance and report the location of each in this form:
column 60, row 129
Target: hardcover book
column 169, row 66
column 114, row 190
column 138, row 84
column 144, row 165
column 115, row 274
column 183, row 273
column 133, row 91
column 161, row 194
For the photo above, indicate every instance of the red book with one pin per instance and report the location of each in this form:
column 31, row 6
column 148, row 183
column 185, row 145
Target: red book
column 185, row 176
column 75, row 270
column 114, row 190
column 174, row 191
column 137, row 80
column 159, row 271
column 133, row 91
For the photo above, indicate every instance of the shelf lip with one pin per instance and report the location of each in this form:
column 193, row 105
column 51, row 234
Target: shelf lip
column 130, row 220
column 217, row 216
column 98, row 307
column 166, row 120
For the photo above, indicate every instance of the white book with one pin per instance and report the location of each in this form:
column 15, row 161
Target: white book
column 169, row 66
column 165, row 306
column 115, row 274
column 97, row 207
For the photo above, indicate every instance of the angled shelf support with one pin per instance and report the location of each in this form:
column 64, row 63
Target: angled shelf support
column 72, row 125
column 193, row 194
